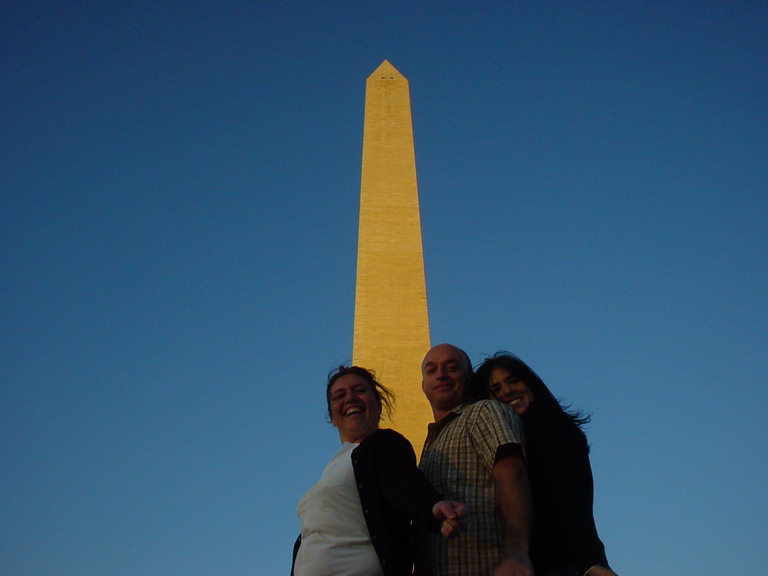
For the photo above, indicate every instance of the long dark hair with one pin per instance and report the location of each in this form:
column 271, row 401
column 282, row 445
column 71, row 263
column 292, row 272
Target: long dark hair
column 384, row 396
column 521, row 370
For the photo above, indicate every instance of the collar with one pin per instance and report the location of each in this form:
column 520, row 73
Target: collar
column 435, row 428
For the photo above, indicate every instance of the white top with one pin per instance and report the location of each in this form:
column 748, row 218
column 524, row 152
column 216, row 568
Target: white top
column 334, row 537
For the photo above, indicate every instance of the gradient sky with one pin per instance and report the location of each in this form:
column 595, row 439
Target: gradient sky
column 179, row 192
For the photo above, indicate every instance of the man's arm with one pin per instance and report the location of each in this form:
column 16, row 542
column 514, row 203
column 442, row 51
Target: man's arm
column 514, row 491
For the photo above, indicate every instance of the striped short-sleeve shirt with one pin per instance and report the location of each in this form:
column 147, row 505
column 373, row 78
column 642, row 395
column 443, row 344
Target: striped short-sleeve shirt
column 458, row 458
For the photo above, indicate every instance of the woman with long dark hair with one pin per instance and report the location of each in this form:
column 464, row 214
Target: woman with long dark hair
column 564, row 540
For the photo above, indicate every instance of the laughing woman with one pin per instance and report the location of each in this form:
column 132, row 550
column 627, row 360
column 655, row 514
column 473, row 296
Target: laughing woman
column 564, row 540
column 355, row 520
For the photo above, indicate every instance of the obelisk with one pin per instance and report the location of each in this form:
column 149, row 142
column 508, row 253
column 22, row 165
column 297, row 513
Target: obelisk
column 391, row 332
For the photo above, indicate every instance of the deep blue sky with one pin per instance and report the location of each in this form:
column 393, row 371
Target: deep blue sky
column 179, row 191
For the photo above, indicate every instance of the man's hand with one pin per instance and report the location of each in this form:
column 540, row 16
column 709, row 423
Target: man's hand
column 451, row 516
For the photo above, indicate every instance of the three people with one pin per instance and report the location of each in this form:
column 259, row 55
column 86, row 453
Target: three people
column 564, row 540
column 528, row 509
column 355, row 521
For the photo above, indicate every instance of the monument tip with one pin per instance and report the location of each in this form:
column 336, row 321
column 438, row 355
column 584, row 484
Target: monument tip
column 386, row 70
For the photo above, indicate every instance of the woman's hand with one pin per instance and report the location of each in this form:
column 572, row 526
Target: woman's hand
column 451, row 516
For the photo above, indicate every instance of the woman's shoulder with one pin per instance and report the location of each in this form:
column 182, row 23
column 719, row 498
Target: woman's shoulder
column 544, row 424
column 556, row 436
column 385, row 445
column 550, row 413
column 385, row 436
column 389, row 435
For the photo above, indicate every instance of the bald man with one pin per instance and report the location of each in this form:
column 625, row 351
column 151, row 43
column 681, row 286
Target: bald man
column 474, row 454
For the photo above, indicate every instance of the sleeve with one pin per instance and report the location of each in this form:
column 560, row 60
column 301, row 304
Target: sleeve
column 296, row 546
column 495, row 431
column 403, row 485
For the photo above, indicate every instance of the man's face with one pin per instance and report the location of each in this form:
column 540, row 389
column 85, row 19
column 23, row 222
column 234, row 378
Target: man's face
column 444, row 374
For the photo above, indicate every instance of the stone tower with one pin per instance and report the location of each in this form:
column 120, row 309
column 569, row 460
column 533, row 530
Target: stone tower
column 391, row 332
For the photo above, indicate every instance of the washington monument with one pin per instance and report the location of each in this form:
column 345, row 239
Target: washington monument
column 391, row 329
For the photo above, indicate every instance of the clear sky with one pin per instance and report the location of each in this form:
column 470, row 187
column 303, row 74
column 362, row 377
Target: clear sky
column 179, row 192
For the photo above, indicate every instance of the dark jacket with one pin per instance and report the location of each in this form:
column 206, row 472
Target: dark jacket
column 563, row 536
column 393, row 492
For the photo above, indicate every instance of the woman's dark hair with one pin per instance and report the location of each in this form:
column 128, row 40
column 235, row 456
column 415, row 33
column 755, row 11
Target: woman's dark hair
column 521, row 371
column 384, row 396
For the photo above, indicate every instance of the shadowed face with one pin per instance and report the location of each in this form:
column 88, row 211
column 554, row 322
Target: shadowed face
column 507, row 388
column 444, row 373
column 355, row 409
